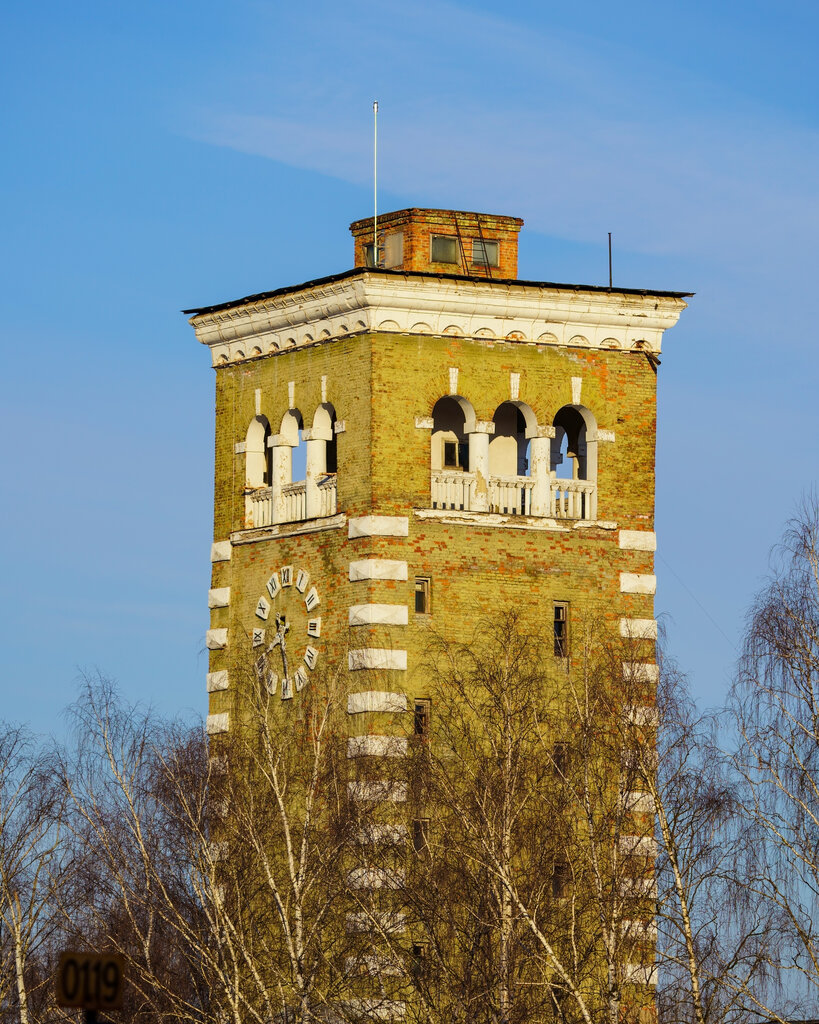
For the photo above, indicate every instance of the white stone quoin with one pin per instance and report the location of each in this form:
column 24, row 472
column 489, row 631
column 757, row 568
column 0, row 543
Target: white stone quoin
column 638, row 540
column 638, row 583
column 376, row 746
column 217, row 681
column 377, row 657
column 219, row 597
column 215, row 724
column 376, row 700
column 378, row 789
column 378, row 614
column 641, row 671
column 220, row 551
column 638, row 629
column 377, row 569
column 378, row 526
column 216, row 639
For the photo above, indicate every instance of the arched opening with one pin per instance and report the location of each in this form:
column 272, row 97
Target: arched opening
column 257, row 457
column 322, row 463
column 452, row 483
column 509, row 447
column 292, row 433
column 574, row 463
column 450, row 441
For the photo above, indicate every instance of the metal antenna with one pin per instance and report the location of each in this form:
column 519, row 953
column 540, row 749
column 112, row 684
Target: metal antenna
column 609, row 259
column 375, row 183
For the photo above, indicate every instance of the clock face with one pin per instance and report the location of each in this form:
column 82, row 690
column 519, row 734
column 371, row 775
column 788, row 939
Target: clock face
column 285, row 632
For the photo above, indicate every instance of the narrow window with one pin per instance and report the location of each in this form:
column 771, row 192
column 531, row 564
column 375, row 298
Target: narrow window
column 485, row 252
column 420, row 836
column 422, row 595
column 456, row 455
column 419, row 957
column 422, row 716
column 394, row 249
column 560, row 758
column 561, row 629
column 369, row 255
column 561, row 877
column 443, row 249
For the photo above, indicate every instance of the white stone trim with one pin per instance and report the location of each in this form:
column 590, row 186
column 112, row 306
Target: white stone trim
column 377, row 569
column 514, row 386
column 240, row 447
column 638, row 583
column 376, row 700
column 637, row 802
column 375, row 1008
column 376, row 746
column 638, row 540
column 220, row 551
column 638, row 888
column 640, row 974
column 217, row 681
column 641, row 672
column 392, row 921
column 643, row 715
column 577, row 386
column 378, row 526
column 387, row 835
column 638, row 846
column 641, row 931
column 218, row 597
column 453, row 380
column 373, row 965
column 378, row 615
column 638, row 629
column 370, row 878
column 424, row 423
column 535, row 314
column 606, row 436
column 377, row 657
column 374, row 790
column 216, row 639
column 496, row 520
column 216, row 724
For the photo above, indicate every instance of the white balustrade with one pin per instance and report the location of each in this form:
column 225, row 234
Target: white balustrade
column 259, row 502
column 573, row 499
column 259, row 505
column 511, row 495
column 452, row 489
column 295, row 502
column 327, row 495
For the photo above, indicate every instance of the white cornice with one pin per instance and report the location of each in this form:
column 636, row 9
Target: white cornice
column 493, row 311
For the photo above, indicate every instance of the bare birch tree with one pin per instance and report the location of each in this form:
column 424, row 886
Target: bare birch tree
column 775, row 705
column 33, row 866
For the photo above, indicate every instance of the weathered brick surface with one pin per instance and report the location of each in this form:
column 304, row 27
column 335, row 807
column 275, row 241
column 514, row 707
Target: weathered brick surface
column 379, row 384
column 417, row 227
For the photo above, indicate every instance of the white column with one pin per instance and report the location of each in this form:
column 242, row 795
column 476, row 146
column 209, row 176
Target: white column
column 540, row 453
column 316, row 468
column 479, row 463
column 280, row 474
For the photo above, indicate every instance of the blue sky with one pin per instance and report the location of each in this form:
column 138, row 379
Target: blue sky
column 166, row 155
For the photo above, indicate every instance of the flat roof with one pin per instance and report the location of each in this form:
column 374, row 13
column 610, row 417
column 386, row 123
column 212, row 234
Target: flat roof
column 248, row 300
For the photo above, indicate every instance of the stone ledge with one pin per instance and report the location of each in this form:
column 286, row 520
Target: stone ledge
column 258, row 533
column 497, row 521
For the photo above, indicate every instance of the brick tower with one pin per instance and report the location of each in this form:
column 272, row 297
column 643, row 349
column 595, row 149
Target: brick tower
column 425, row 439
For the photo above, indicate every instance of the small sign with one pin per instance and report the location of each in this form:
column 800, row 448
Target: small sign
column 91, row 981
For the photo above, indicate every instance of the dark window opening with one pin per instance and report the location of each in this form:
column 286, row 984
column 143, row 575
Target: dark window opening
column 485, row 252
column 456, row 454
column 561, row 629
column 560, row 757
column 422, row 716
column 422, row 595
column 561, row 879
column 332, row 453
column 369, row 255
column 444, row 249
